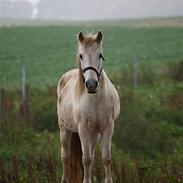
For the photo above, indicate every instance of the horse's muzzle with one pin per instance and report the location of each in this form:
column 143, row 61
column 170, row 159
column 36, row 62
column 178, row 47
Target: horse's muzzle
column 91, row 85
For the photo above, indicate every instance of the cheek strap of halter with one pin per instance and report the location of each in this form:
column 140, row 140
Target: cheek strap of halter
column 92, row 68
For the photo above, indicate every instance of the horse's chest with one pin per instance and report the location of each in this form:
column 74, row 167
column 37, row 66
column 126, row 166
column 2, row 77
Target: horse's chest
column 94, row 111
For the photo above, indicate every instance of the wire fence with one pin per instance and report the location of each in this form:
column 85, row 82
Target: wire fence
column 7, row 106
column 6, row 102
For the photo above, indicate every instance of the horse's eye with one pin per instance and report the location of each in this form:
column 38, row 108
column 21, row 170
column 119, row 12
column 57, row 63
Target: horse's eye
column 101, row 57
column 81, row 57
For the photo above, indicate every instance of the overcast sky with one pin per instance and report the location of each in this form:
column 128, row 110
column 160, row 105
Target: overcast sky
column 104, row 9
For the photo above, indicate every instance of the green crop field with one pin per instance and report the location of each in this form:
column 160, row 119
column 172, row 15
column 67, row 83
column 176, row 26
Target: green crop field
column 144, row 60
column 47, row 52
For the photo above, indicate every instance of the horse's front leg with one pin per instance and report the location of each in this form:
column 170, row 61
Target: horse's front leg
column 89, row 139
column 65, row 136
column 106, row 137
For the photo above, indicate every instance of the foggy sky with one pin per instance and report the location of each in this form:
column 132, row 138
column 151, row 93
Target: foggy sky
column 103, row 9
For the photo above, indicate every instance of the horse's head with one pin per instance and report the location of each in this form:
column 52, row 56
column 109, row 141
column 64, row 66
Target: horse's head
column 90, row 59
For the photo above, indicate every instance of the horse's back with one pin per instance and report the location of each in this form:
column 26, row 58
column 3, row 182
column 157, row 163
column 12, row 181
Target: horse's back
column 64, row 100
column 115, row 97
column 64, row 80
column 116, row 102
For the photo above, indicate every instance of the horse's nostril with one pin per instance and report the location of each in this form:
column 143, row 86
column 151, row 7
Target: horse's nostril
column 96, row 84
column 91, row 84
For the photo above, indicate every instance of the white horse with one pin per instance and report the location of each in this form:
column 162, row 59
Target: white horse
column 87, row 106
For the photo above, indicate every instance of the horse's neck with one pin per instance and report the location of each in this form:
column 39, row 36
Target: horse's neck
column 80, row 87
column 102, row 79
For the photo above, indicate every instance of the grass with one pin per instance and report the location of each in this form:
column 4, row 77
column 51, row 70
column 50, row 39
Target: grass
column 47, row 169
column 35, row 157
column 48, row 52
column 147, row 143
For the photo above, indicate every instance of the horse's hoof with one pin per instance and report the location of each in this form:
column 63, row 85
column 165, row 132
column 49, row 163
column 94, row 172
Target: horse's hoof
column 63, row 181
column 86, row 181
column 108, row 181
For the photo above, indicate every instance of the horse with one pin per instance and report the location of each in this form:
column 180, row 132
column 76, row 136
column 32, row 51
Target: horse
column 87, row 106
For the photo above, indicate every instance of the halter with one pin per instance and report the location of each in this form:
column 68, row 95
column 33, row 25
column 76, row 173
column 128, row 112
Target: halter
column 93, row 69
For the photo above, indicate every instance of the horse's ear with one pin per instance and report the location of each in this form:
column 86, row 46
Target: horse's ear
column 81, row 37
column 99, row 37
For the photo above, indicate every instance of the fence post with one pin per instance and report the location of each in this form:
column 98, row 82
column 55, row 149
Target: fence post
column 2, row 94
column 136, row 72
column 24, row 108
column 23, row 83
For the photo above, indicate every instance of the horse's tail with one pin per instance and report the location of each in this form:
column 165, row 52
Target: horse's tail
column 76, row 168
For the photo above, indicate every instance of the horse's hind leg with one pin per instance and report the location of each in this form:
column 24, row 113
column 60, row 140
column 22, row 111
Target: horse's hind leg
column 105, row 139
column 65, row 136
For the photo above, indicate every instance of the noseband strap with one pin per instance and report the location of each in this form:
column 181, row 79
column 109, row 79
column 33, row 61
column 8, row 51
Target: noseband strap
column 93, row 69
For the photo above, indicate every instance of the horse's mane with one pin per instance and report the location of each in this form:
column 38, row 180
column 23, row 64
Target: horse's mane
column 81, row 85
